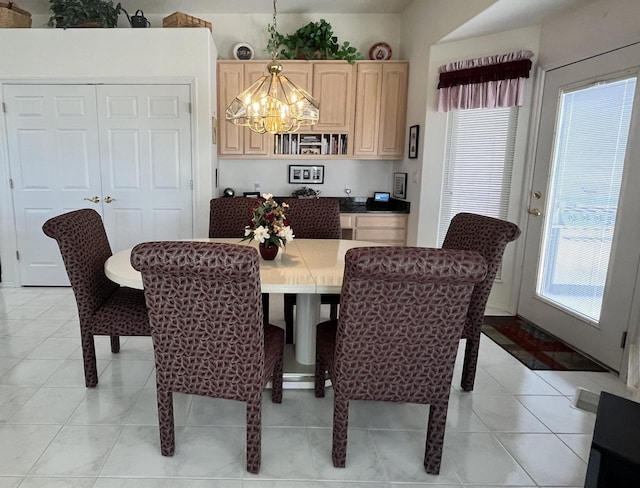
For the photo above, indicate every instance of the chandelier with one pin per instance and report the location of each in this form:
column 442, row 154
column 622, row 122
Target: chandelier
column 273, row 104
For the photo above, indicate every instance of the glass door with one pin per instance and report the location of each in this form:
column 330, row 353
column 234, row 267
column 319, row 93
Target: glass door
column 583, row 238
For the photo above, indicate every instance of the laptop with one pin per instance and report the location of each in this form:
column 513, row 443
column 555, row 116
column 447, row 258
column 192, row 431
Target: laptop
column 381, row 201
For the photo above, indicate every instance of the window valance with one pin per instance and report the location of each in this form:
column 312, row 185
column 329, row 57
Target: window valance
column 487, row 82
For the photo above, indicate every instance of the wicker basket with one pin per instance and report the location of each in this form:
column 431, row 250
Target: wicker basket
column 179, row 19
column 12, row 16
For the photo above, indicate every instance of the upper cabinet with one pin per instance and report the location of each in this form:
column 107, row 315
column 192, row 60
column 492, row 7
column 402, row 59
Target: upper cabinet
column 334, row 88
column 233, row 78
column 381, row 107
column 366, row 125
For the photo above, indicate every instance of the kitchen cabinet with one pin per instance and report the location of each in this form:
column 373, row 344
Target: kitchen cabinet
column 380, row 111
column 233, row 78
column 334, row 88
column 362, row 106
column 383, row 228
column 331, row 83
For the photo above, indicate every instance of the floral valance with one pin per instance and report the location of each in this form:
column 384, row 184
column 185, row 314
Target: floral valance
column 487, row 82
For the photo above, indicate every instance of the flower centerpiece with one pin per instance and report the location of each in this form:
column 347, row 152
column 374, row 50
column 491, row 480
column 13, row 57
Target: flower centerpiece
column 269, row 226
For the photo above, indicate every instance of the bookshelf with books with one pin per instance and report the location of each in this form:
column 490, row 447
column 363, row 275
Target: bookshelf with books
column 311, row 145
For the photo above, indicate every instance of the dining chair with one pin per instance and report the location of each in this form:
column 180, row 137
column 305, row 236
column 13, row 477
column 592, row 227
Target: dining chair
column 489, row 237
column 208, row 333
column 104, row 307
column 312, row 218
column 402, row 310
column 228, row 216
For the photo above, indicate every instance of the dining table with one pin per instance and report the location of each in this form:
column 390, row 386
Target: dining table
column 305, row 267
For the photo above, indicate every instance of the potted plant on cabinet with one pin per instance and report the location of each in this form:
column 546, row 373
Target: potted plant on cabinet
column 84, row 13
column 312, row 41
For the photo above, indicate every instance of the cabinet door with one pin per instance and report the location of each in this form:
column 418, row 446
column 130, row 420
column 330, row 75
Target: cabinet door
column 145, row 155
column 393, row 110
column 55, row 166
column 300, row 73
column 367, row 117
column 230, row 83
column 254, row 143
column 333, row 88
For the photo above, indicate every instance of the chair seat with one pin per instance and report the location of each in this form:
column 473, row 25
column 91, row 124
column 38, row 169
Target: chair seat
column 123, row 313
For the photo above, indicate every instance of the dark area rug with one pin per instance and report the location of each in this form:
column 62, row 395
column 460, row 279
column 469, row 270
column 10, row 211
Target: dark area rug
column 533, row 347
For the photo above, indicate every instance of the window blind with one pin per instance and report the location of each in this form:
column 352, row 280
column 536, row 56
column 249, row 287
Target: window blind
column 478, row 164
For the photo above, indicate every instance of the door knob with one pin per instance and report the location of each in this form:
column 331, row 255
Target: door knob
column 535, row 211
column 108, row 199
column 94, row 199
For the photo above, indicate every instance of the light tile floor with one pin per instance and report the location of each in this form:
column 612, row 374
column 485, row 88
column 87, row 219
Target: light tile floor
column 517, row 428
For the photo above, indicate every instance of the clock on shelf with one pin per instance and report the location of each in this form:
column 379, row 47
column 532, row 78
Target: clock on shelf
column 243, row 51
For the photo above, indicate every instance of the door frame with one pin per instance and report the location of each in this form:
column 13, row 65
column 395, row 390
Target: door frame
column 633, row 322
column 201, row 171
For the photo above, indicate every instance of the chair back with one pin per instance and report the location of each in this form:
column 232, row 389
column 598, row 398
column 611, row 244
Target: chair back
column 205, row 313
column 84, row 247
column 314, row 218
column 401, row 316
column 489, row 237
column 228, row 216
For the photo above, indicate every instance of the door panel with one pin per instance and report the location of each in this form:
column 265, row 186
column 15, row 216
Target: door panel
column 146, row 154
column 54, row 162
column 567, row 248
column 128, row 145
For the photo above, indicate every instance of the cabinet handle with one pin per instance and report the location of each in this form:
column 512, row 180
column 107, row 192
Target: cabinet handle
column 108, row 199
column 94, row 199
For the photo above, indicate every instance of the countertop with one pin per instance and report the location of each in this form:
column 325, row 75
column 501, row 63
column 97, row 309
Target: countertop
column 365, row 205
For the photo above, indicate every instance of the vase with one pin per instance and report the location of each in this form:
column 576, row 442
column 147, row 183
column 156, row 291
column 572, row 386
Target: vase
column 268, row 251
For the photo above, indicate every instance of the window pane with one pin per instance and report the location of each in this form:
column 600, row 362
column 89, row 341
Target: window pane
column 478, row 164
column 586, row 175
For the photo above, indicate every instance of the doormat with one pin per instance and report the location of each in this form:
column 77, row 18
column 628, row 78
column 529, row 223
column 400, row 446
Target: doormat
column 534, row 347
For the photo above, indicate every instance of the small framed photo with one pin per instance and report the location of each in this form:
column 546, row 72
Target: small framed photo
column 306, row 174
column 399, row 185
column 414, row 133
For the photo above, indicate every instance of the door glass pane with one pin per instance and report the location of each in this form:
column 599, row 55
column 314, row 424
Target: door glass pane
column 586, row 175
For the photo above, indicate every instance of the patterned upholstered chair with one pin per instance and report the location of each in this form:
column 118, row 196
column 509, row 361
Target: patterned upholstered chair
column 207, row 329
column 227, row 218
column 489, row 237
column 104, row 307
column 312, row 218
column 401, row 316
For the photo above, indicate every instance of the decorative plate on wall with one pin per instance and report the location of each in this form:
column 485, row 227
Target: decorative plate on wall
column 243, row 51
column 380, row 51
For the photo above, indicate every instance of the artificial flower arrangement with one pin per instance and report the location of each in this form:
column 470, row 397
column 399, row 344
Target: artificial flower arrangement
column 269, row 226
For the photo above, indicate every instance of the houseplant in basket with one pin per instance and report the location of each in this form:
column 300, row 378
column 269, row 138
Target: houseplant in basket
column 84, row 13
column 268, row 226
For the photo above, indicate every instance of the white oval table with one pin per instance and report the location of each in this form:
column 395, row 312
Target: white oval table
column 306, row 267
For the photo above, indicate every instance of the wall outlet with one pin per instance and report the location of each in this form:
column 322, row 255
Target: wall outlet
column 256, row 187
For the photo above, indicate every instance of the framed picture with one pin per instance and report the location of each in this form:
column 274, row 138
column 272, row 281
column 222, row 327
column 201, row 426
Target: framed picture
column 399, row 185
column 306, row 174
column 414, row 132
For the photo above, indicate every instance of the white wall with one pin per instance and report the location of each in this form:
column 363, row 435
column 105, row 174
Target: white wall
column 595, row 28
column 423, row 25
column 113, row 56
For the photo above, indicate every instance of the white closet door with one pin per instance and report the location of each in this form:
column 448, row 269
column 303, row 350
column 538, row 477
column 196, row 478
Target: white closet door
column 54, row 161
column 145, row 150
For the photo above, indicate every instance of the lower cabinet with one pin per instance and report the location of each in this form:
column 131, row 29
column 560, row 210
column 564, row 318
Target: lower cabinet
column 386, row 229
